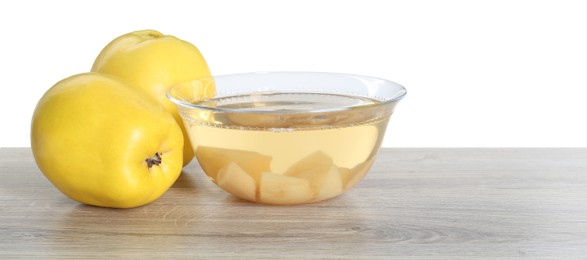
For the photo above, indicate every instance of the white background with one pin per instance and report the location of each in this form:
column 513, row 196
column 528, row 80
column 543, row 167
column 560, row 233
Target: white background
column 478, row 73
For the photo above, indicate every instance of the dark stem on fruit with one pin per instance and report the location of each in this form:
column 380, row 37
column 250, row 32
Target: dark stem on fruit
column 155, row 160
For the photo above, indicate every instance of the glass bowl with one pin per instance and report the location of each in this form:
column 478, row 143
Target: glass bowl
column 286, row 137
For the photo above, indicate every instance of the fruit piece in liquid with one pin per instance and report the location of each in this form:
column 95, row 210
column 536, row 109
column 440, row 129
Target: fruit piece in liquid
column 347, row 139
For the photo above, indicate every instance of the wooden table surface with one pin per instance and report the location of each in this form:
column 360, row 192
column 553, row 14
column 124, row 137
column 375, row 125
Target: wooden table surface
column 414, row 204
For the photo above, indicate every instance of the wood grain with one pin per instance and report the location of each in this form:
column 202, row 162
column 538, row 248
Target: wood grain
column 414, row 204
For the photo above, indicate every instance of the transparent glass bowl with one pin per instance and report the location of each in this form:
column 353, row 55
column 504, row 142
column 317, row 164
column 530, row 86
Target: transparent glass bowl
column 286, row 137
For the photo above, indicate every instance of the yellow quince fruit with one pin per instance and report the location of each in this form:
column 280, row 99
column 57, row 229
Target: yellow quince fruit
column 104, row 143
column 155, row 62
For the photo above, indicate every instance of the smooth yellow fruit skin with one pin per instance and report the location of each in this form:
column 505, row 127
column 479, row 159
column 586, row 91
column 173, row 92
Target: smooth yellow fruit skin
column 155, row 62
column 91, row 135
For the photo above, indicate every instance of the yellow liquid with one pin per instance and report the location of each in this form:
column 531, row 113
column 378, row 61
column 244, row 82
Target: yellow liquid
column 290, row 158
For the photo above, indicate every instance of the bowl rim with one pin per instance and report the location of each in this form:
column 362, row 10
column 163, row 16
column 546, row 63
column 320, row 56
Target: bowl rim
column 401, row 94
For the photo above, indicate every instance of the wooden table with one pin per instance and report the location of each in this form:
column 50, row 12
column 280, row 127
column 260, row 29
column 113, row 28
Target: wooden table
column 414, row 204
